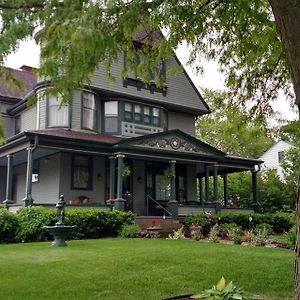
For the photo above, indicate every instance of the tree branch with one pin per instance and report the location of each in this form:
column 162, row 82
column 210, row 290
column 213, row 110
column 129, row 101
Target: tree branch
column 9, row 5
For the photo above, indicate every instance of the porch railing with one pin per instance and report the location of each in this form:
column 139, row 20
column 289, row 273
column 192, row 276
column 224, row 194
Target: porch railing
column 150, row 199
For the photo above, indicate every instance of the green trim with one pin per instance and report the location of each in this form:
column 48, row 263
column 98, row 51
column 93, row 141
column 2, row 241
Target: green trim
column 206, row 183
column 112, row 174
column 225, row 190
column 215, row 176
column 9, row 177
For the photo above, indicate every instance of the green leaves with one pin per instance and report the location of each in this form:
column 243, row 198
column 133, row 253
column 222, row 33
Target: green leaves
column 222, row 292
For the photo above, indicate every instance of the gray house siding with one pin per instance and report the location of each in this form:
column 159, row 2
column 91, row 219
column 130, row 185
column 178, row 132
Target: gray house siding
column 43, row 113
column 3, row 183
column 8, row 121
column 46, row 190
column 184, row 122
column 9, row 126
column 76, row 110
column 28, row 119
column 97, row 194
column 138, row 187
column 191, row 183
column 180, row 91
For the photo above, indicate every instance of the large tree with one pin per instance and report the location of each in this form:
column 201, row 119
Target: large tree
column 231, row 128
column 257, row 43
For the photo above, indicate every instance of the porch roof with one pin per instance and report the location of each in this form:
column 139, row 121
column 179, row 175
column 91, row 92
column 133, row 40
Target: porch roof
column 172, row 144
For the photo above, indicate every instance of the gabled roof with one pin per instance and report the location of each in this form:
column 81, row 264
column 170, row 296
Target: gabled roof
column 26, row 76
column 173, row 140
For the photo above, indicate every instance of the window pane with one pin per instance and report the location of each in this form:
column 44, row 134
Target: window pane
column 111, row 108
column 82, row 172
column 147, row 110
column 147, row 119
column 57, row 116
column 156, row 112
column 89, row 100
column 89, row 119
column 156, row 121
column 111, row 124
column 128, row 107
column 137, row 109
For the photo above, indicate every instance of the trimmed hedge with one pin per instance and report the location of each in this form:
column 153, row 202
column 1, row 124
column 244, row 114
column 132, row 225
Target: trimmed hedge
column 280, row 222
column 9, row 226
column 27, row 224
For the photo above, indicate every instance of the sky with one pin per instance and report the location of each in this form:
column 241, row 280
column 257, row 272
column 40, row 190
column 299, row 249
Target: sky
column 28, row 54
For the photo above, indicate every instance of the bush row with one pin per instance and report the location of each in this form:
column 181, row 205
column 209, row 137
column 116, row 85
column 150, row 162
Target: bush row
column 280, row 222
column 27, row 224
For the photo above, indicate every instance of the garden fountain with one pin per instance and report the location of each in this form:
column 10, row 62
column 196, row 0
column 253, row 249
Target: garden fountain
column 60, row 231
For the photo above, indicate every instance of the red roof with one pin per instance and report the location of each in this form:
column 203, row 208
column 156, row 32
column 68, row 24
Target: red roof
column 26, row 76
column 79, row 135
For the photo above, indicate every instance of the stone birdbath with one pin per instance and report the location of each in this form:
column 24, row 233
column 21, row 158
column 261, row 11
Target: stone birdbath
column 60, row 231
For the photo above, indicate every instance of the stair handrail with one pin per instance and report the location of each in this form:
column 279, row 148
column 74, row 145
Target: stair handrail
column 157, row 203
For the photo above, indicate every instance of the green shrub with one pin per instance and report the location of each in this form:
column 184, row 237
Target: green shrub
column 280, row 222
column 202, row 220
column 9, row 226
column 177, row 234
column 96, row 223
column 292, row 237
column 263, row 226
column 261, row 237
column 236, row 235
column 214, row 234
column 227, row 227
column 31, row 220
column 130, row 231
column 91, row 223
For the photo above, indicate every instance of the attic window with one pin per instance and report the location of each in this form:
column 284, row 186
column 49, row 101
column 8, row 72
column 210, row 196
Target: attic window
column 133, row 80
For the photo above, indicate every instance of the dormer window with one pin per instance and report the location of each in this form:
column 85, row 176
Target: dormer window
column 58, row 115
column 89, row 111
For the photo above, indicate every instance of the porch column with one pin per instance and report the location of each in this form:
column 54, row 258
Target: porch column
column 207, row 184
column 200, row 179
column 173, row 203
column 9, row 177
column 28, row 200
column 225, row 190
column 254, row 191
column 119, row 202
column 112, row 173
column 216, row 189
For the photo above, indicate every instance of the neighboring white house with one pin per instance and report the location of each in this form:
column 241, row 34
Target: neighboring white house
column 275, row 155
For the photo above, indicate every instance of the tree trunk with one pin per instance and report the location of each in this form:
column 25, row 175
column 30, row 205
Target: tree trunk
column 287, row 19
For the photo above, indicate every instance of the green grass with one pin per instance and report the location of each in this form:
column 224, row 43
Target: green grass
column 139, row 269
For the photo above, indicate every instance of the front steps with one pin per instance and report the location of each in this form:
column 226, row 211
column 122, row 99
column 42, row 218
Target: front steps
column 167, row 225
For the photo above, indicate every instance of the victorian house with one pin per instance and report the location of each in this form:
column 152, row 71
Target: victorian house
column 125, row 145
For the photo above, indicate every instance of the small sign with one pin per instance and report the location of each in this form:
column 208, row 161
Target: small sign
column 35, row 177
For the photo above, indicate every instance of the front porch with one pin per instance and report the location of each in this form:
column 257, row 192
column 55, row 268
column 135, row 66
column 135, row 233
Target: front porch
column 169, row 174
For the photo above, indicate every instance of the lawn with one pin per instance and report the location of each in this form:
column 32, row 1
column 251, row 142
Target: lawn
column 139, row 269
